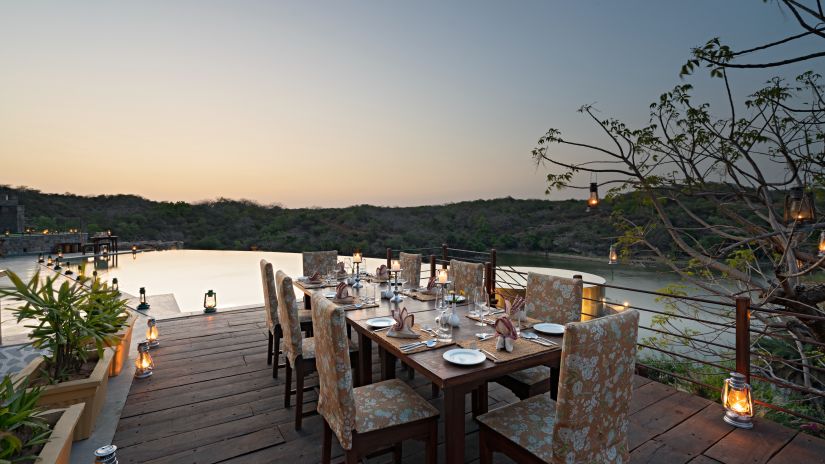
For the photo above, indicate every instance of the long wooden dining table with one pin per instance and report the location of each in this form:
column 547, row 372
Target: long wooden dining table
column 454, row 381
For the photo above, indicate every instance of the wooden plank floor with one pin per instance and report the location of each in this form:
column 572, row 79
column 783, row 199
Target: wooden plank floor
column 213, row 399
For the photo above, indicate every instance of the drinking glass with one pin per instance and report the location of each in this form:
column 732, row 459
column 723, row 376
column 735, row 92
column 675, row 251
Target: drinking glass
column 481, row 307
column 473, row 306
column 445, row 328
column 369, row 293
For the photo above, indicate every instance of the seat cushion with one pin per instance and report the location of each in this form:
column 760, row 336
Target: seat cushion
column 528, row 423
column 531, row 375
column 308, row 347
column 387, row 404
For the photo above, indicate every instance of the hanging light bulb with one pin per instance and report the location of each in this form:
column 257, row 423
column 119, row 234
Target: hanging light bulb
column 152, row 333
column 593, row 200
column 143, row 364
column 737, row 400
column 613, row 256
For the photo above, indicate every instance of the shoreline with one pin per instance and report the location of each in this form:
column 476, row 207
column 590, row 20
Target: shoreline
column 592, row 259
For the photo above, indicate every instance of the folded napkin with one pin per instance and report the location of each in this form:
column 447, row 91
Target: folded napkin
column 403, row 327
column 516, row 309
column 382, row 273
column 315, row 278
column 341, row 269
column 505, row 334
column 431, row 284
column 342, row 293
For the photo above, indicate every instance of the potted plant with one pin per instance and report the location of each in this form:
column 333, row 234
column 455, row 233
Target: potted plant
column 71, row 317
column 29, row 435
column 105, row 300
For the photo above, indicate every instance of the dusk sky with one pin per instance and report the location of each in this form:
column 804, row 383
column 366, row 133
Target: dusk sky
column 316, row 103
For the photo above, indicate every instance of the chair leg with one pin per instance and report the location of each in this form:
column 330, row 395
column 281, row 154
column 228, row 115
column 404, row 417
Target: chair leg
column 299, row 393
column 276, row 350
column 288, row 385
column 269, row 351
column 432, row 443
column 326, row 446
column 352, row 457
column 396, row 453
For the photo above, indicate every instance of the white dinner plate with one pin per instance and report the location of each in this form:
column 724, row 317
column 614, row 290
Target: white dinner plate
column 329, row 294
column 548, row 328
column 458, row 298
column 378, row 322
column 464, row 357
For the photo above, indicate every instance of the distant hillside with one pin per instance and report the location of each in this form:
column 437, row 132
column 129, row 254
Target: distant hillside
column 506, row 223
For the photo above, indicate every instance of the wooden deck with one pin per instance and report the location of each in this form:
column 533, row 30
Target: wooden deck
column 213, row 399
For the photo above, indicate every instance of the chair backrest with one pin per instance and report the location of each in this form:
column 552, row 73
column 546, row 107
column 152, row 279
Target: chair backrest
column 411, row 265
column 335, row 400
column 598, row 358
column 466, row 277
column 270, row 294
column 288, row 315
column 319, row 261
column 553, row 299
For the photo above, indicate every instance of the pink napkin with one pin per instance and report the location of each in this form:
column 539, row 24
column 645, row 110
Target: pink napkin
column 516, row 309
column 431, row 284
column 382, row 272
column 342, row 291
column 314, row 278
column 505, row 334
column 403, row 324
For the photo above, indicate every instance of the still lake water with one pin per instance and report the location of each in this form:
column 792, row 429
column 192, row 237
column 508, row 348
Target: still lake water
column 235, row 277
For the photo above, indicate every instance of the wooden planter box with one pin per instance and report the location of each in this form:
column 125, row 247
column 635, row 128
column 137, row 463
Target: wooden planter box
column 122, row 347
column 58, row 449
column 91, row 390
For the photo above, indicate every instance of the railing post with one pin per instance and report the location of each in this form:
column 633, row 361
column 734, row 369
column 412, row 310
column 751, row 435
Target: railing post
column 432, row 265
column 443, row 256
column 743, row 338
column 389, row 257
column 493, row 277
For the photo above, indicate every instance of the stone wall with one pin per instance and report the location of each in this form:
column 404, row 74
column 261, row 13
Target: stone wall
column 37, row 243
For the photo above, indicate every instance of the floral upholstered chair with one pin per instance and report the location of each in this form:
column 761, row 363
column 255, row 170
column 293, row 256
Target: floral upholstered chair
column 273, row 323
column 298, row 351
column 548, row 299
column 319, row 261
column 588, row 423
column 364, row 419
column 467, row 277
column 411, row 268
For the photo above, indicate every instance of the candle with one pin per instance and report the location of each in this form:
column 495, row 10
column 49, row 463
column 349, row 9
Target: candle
column 442, row 276
column 356, row 257
column 396, row 266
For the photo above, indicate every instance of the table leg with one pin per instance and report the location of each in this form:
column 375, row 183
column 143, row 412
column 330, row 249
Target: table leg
column 387, row 365
column 307, row 302
column 480, row 400
column 364, row 359
column 554, row 382
column 454, row 424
